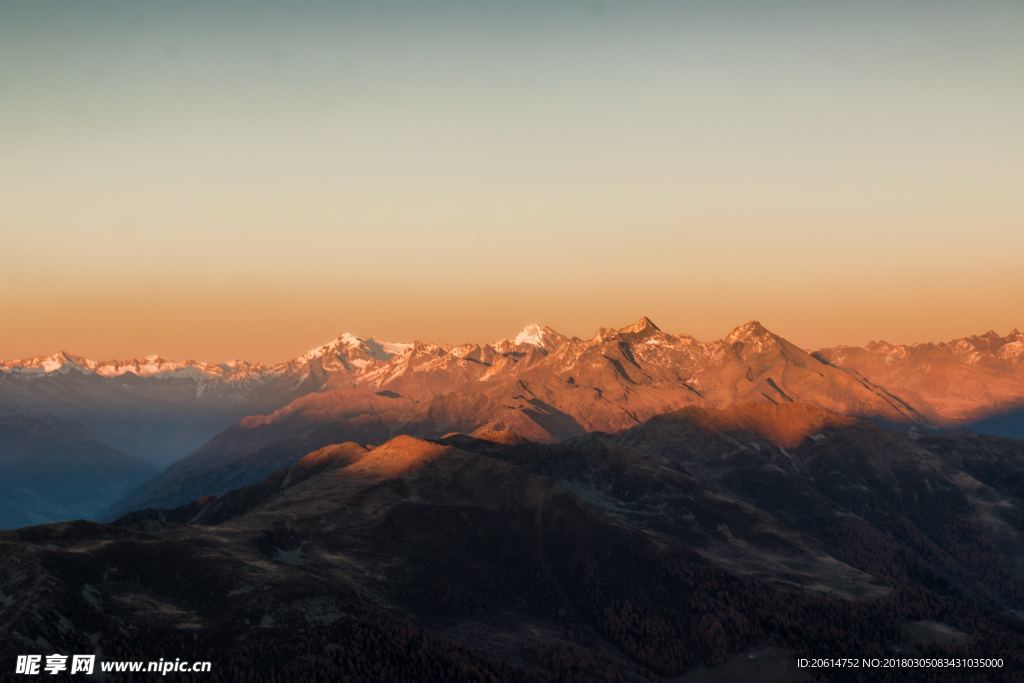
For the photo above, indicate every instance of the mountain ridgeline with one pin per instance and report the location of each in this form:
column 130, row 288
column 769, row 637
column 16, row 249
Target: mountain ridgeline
column 218, row 426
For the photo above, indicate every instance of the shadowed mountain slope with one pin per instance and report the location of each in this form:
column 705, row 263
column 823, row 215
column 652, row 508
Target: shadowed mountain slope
column 704, row 538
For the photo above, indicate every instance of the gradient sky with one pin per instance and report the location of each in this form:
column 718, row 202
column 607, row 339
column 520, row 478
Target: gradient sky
column 219, row 180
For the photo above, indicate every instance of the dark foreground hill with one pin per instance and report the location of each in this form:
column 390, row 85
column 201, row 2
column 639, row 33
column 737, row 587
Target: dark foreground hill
column 718, row 545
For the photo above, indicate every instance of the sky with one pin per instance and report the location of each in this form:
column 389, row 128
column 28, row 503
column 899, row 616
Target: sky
column 247, row 180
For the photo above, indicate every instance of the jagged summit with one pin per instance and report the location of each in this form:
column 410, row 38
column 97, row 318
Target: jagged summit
column 642, row 326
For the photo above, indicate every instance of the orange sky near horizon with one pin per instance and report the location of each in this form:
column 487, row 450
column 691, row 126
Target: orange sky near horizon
column 272, row 326
column 194, row 181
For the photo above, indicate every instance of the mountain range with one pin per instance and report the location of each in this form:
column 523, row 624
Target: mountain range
column 213, row 427
column 634, row 506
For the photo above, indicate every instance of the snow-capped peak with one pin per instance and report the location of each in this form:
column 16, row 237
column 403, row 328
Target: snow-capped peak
column 346, row 343
column 345, row 340
column 748, row 330
column 349, row 339
column 532, row 334
column 541, row 336
column 385, row 350
column 62, row 363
